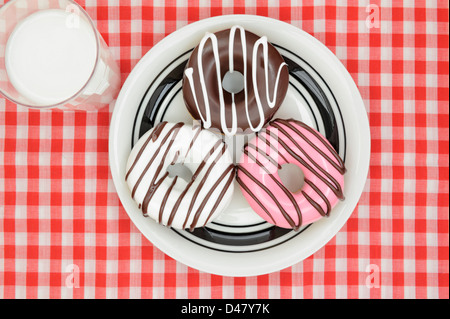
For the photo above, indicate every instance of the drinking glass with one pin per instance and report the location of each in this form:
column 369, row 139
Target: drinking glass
column 52, row 56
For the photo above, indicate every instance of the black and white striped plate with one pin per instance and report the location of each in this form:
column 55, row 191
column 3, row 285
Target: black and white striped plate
column 239, row 242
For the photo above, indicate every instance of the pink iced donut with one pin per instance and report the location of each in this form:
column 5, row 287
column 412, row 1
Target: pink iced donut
column 291, row 141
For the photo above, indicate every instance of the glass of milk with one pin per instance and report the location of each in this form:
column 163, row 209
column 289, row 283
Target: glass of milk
column 52, row 56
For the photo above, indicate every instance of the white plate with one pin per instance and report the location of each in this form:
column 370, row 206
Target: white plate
column 321, row 94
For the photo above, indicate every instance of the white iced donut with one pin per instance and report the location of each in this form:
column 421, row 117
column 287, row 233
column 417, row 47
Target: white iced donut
column 172, row 200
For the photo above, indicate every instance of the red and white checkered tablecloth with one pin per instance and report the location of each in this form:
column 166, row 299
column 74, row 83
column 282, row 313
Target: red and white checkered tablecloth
column 61, row 221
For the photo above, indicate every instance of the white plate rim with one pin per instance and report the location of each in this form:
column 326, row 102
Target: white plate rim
column 282, row 256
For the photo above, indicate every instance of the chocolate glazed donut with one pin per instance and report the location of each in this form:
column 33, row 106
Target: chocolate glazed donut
column 261, row 66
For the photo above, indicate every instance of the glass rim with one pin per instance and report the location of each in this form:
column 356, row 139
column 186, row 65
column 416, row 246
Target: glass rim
column 97, row 59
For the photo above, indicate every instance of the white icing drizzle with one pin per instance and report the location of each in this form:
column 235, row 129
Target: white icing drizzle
column 172, row 201
column 189, row 75
column 263, row 41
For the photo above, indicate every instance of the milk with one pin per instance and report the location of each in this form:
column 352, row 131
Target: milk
column 50, row 56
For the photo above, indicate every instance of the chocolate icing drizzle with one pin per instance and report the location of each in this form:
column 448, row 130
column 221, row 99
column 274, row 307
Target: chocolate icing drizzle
column 303, row 158
column 169, row 137
column 266, row 79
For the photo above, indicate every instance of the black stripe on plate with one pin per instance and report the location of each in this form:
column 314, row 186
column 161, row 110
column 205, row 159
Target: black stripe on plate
column 329, row 89
column 149, row 107
column 230, row 241
column 307, row 103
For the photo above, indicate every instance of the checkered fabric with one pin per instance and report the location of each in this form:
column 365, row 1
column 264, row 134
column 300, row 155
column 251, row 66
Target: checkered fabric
column 64, row 233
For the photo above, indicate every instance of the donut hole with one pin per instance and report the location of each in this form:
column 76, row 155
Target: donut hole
column 233, row 82
column 292, row 177
column 181, row 171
